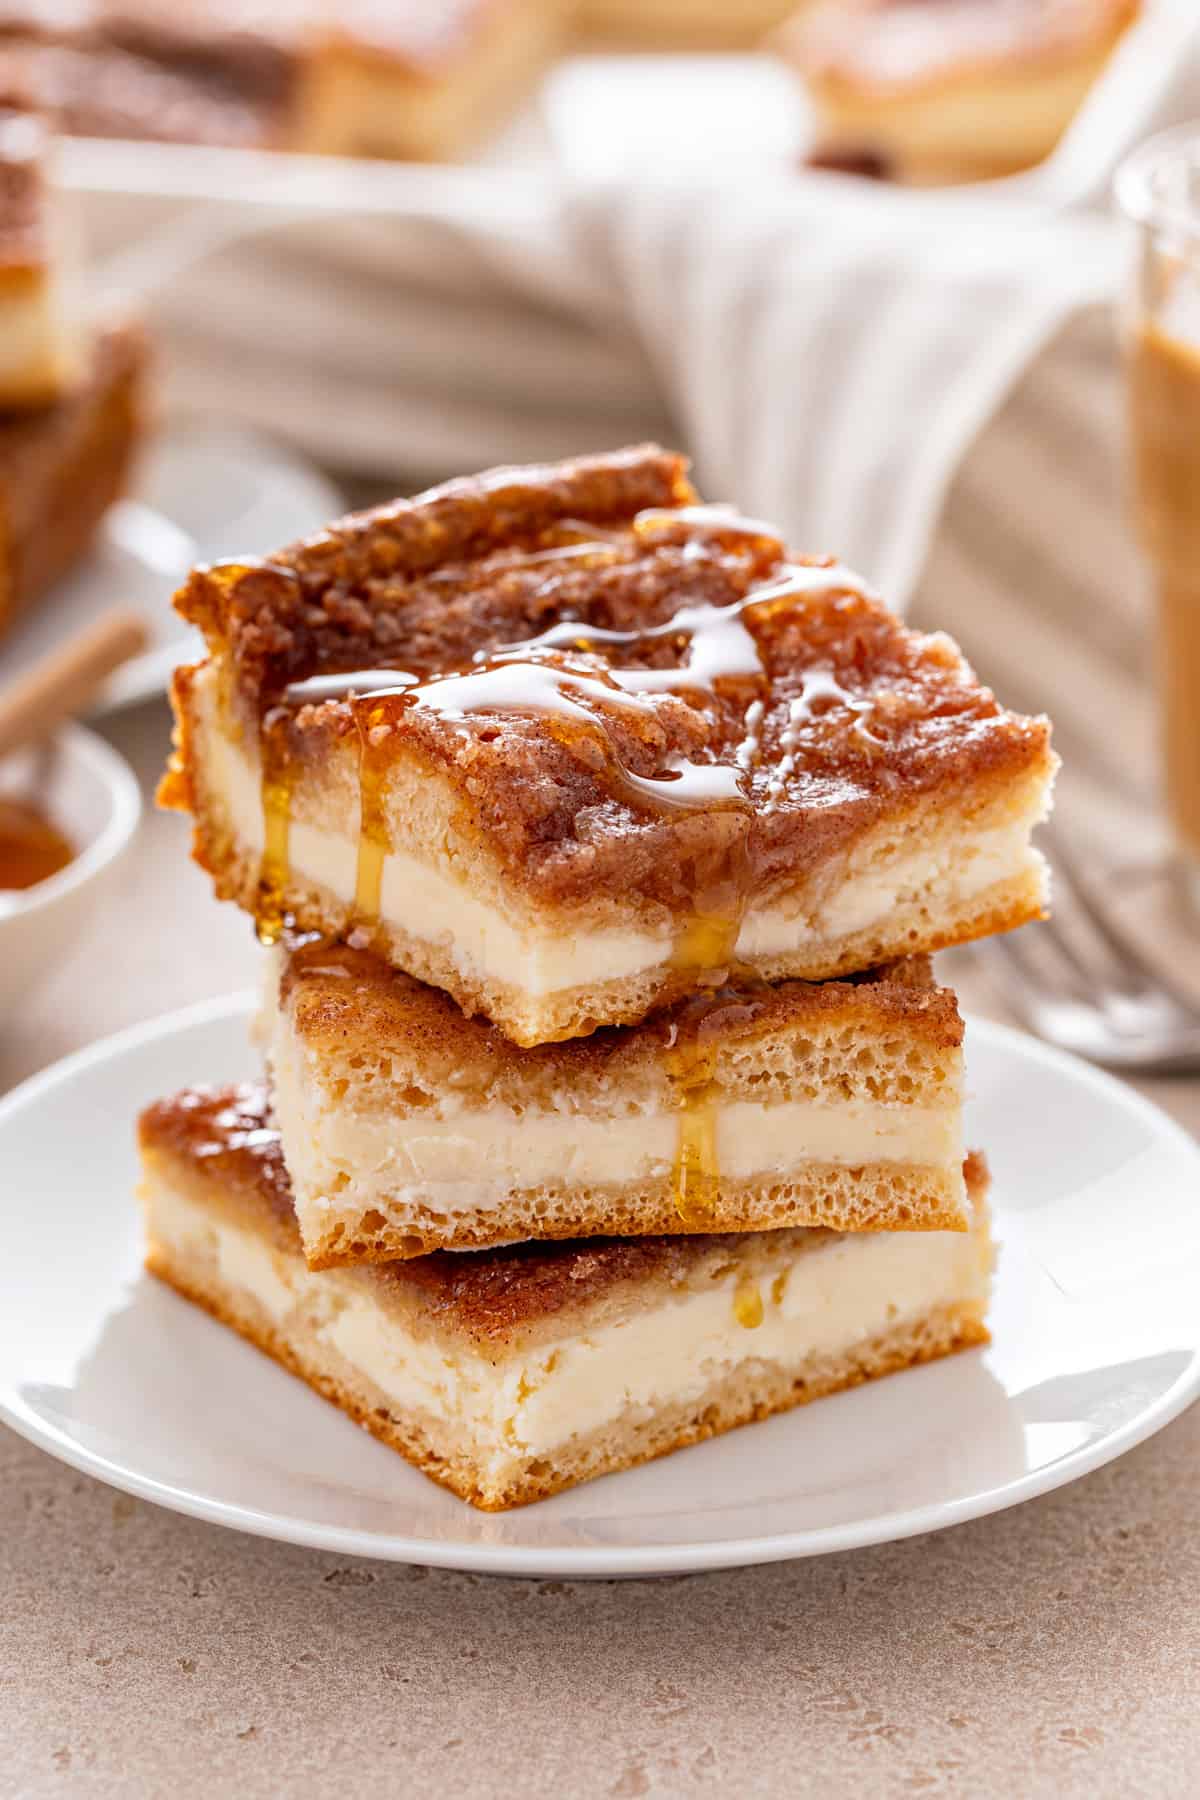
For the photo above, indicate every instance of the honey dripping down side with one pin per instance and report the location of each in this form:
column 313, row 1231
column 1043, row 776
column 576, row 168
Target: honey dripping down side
column 690, row 1058
column 696, row 1172
column 278, row 779
column 373, row 837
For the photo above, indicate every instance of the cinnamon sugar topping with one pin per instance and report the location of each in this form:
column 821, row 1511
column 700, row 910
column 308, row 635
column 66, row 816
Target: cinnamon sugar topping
column 563, row 675
column 625, row 688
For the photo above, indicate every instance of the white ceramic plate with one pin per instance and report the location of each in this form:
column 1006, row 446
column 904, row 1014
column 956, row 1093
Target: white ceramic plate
column 202, row 493
column 1097, row 1344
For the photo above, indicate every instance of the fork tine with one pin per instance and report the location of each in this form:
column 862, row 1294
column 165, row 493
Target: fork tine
column 1121, row 945
column 1029, row 980
column 1088, row 979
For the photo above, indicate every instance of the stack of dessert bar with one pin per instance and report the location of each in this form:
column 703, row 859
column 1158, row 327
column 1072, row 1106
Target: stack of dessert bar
column 602, row 843
column 70, row 392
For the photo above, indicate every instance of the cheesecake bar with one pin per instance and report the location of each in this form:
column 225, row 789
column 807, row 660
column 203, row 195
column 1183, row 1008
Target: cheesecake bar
column 39, row 344
column 507, row 1375
column 359, row 79
column 567, row 744
column 408, row 1128
column 931, row 92
column 62, row 467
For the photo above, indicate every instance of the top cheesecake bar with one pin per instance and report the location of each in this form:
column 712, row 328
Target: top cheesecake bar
column 568, row 744
column 360, row 78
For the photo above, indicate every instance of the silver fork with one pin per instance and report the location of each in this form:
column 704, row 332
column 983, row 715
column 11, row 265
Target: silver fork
column 1106, row 1001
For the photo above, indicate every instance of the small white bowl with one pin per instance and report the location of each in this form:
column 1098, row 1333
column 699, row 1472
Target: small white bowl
column 91, row 794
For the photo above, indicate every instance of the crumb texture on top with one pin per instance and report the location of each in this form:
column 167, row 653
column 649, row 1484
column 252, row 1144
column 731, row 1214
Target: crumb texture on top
column 626, row 653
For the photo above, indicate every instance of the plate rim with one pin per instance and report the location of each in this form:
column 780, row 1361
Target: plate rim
column 598, row 1562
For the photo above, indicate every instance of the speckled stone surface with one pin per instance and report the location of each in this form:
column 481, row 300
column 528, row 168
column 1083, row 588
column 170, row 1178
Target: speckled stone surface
column 1051, row 1650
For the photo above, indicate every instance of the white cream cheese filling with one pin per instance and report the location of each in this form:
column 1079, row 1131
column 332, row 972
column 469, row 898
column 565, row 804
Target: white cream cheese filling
column 343, row 1157
column 823, row 1301
column 423, row 901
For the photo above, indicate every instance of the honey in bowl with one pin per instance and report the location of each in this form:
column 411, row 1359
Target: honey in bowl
column 32, row 848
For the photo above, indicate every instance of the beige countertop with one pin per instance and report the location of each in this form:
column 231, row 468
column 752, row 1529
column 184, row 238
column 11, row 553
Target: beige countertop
column 1054, row 1649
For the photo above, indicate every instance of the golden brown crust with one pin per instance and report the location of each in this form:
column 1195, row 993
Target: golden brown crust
column 883, row 48
column 228, row 1133
column 819, row 1196
column 225, row 1136
column 61, row 468
column 360, row 588
column 335, row 993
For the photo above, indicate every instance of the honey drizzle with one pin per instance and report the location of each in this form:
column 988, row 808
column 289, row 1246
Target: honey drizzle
column 747, row 1303
column 278, row 775
column 519, row 677
column 707, row 941
column 373, row 838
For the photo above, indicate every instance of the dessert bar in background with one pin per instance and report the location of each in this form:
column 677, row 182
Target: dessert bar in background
column 926, row 92
column 71, row 389
column 407, row 1128
column 359, row 79
column 600, row 842
column 568, row 744
column 507, row 1375
column 62, row 466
